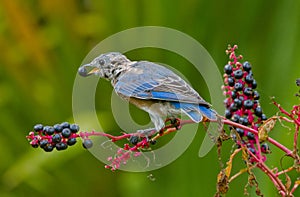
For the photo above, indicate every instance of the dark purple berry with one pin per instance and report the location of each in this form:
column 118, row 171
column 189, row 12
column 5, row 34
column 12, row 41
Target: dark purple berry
column 241, row 120
column 245, row 121
column 248, row 104
column 298, row 82
column 233, row 107
column 238, row 86
column 71, row 141
column 264, row 117
column 43, row 143
column 230, row 81
column 249, row 79
column 61, row 146
column 74, row 128
column 45, row 129
column 250, row 136
column 228, row 114
column 228, row 69
column 58, row 128
column 237, row 102
column 256, row 95
column 87, row 143
column 254, row 84
column 233, row 95
column 56, row 138
column 235, row 118
column 48, row 148
column 49, row 130
column 66, row 132
column 241, row 132
column 38, row 127
column 252, row 150
column 35, row 145
column 248, row 91
column 256, row 102
column 152, row 142
column 246, row 66
column 241, row 98
column 258, row 111
column 265, row 148
column 238, row 74
column 65, row 125
column 134, row 139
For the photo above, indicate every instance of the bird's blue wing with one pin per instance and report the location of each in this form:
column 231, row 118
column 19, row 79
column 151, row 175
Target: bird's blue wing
column 147, row 80
column 196, row 111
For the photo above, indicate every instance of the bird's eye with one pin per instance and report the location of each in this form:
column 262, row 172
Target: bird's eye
column 101, row 62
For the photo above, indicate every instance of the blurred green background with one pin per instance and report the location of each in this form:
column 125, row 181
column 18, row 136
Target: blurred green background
column 44, row 42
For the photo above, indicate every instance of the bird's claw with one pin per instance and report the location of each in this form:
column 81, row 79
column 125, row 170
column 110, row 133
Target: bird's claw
column 175, row 122
column 146, row 132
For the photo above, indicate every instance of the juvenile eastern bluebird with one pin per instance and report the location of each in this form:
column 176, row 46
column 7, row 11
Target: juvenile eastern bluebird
column 151, row 87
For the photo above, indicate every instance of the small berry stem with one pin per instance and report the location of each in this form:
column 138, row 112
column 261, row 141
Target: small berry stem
column 297, row 183
column 271, row 140
column 285, row 171
column 277, row 182
column 96, row 133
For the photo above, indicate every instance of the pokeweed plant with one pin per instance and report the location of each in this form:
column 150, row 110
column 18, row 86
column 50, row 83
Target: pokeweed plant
column 248, row 128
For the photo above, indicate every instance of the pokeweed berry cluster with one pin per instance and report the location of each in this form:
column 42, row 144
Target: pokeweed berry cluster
column 58, row 136
column 242, row 101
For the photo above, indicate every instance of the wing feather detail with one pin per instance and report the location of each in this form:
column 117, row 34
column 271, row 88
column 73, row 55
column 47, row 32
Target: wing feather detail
column 147, row 80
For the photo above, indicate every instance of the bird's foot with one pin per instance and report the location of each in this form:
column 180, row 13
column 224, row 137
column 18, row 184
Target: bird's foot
column 146, row 132
column 175, row 122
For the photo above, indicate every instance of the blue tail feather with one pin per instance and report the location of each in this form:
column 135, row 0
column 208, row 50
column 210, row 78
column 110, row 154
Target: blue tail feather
column 208, row 112
column 195, row 111
column 195, row 116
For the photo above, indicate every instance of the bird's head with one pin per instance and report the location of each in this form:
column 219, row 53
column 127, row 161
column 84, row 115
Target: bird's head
column 107, row 65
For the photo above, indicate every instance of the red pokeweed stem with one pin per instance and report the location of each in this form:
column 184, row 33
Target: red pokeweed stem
column 271, row 140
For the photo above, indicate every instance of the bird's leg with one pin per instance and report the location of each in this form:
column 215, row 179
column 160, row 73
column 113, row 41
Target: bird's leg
column 146, row 132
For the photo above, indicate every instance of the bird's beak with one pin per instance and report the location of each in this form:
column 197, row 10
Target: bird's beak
column 87, row 70
column 93, row 71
